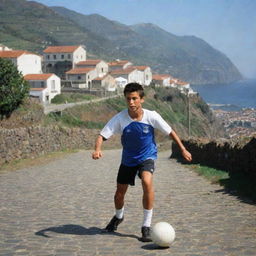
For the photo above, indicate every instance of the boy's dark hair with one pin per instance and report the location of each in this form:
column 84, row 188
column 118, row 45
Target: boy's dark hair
column 134, row 87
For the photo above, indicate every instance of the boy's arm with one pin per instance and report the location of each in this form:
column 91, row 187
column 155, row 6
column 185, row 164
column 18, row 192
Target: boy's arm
column 183, row 150
column 97, row 149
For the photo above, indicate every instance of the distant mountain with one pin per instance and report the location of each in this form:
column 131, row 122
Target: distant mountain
column 187, row 57
column 33, row 26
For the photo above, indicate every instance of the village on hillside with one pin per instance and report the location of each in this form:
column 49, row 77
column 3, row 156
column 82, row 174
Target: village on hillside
column 66, row 68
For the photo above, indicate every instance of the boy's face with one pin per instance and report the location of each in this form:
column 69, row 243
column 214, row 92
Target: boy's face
column 134, row 101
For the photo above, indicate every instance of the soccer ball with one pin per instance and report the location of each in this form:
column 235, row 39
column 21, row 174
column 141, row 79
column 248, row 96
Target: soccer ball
column 163, row 234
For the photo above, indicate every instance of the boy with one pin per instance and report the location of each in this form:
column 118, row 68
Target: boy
column 136, row 125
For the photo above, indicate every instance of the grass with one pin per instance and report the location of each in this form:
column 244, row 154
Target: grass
column 71, row 98
column 71, row 120
column 237, row 184
column 211, row 174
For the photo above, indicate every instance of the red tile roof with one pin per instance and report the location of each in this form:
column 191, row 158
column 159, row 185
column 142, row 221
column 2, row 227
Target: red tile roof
column 88, row 63
column 122, row 71
column 160, row 76
column 79, row 71
column 60, row 49
column 118, row 63
column 38, row 76
column 141, row 67
column 13, row 54
column 179, row 82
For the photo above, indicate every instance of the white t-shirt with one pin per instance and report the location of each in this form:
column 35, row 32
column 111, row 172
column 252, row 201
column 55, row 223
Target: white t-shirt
column 137, row 138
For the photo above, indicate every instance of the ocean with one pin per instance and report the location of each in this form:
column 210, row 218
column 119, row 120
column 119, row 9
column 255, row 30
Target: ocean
column 229, row 97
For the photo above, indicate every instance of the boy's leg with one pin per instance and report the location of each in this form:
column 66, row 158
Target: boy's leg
column 119, row 205
column 119, row 195
column 148, row 190
column 148, row 202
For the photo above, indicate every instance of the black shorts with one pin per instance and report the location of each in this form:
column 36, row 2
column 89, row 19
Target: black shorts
column 127, row 174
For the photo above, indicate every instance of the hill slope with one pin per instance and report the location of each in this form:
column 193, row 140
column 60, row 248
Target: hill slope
column 187, row 57
column 33, row 26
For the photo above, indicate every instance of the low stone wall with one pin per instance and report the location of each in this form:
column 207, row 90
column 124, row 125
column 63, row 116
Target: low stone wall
column 33, row 141
column 223, row 155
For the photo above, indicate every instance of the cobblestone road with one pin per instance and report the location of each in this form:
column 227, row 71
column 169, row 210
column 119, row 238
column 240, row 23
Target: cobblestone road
column 59, row 209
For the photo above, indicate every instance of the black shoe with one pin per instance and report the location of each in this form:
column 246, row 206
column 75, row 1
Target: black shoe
column 112, row 225
column 146, row 234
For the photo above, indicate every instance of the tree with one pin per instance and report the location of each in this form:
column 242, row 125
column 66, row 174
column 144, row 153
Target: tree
column 13, row 88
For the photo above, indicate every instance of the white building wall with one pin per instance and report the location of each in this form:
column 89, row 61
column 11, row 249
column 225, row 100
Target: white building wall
column 102, row 68
column 134, row 76
column 147, row 76
column 166, row 82
column 79, row 55
column 29, row 64
column 53, row 86
column 121, row 82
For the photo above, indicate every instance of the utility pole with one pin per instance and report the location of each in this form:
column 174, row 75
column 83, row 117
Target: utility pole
column 188, row 112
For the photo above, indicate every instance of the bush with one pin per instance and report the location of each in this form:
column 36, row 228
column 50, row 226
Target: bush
column 13, row 88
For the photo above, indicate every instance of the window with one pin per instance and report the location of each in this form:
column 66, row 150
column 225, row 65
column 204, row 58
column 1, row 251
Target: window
column 42, row 84
column 62, row 56
column 54, row 57
column 69, row 56
column 79, row 77
column 47, row 57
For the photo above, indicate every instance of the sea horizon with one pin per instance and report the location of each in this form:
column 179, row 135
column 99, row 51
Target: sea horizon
column 230, row 97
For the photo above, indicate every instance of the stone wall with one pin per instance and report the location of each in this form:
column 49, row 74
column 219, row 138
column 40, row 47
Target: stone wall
column 33, row 141
column 223, row 155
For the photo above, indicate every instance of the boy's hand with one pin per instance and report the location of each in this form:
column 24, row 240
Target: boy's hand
column 186, row 155
column 96, row 155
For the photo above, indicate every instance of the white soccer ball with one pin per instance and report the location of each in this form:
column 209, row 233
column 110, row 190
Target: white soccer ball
column 163, row 234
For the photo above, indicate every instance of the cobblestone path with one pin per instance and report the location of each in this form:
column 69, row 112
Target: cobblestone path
column 59, row 209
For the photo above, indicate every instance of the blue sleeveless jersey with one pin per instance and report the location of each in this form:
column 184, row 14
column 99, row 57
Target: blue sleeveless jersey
column 137, row 137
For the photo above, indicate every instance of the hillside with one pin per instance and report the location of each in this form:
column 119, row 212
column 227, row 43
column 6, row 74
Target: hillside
column 186, row 57
column 32, row 26
column 170, row 103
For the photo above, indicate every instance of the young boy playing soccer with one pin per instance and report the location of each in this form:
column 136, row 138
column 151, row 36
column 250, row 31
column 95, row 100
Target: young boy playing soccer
column 136, row 126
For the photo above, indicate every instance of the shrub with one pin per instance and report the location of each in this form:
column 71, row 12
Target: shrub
column 13, row 88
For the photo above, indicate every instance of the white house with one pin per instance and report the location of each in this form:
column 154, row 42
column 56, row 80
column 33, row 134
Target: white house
column 161, row 80
column 184, row 87
column 146, row 74
column 119, row 64
column 44, row 86
column 81, row 77
column 71, row 53
column 121, row 82
column 26, row 62
column 130, row 74
column 100, row 65
column 106, row 82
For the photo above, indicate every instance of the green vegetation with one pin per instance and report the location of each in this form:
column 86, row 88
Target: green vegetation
column 13, row 88
column 237, row 184
column 168, row 102
column 70, row 120
column 71, row 97
column 211, row 174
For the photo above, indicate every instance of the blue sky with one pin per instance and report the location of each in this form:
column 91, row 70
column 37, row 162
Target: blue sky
column 227, row 25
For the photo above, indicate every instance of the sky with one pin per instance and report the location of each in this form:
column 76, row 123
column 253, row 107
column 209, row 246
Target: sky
column 227, row 25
